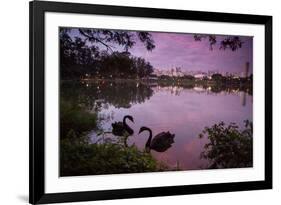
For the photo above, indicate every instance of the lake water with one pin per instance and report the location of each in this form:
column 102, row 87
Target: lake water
column 181, row 110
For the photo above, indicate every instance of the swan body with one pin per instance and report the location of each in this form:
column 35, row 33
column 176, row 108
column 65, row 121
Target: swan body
column 160, row 143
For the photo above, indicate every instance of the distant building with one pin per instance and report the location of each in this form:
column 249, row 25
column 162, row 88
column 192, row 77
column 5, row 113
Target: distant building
column 172, row 72
column 177, row 74
column 247, row 68
column 200, row 76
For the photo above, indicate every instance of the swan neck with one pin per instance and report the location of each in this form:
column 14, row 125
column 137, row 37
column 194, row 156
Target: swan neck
column 124, row 121
column 149, row 138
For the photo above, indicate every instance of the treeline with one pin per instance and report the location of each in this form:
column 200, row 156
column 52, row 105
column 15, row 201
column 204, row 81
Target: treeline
column 122, row 65
column 114, row 65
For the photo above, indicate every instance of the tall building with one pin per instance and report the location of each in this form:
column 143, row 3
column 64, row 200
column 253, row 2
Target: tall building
column 247, row 68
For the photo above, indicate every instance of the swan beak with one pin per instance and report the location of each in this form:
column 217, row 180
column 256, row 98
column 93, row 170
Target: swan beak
column 140, row 131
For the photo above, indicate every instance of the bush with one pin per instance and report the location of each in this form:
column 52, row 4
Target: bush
column 228, row 147
column 81, row 158
column 74, row 120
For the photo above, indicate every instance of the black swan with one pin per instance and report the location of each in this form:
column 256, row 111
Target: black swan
column 121, row 128
column 160, row 143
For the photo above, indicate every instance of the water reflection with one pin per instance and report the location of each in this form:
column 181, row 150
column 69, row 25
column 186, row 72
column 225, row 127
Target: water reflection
column 184, row 110
column 95, row 95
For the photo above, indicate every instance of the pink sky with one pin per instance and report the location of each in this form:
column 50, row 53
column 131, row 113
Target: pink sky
column 181, row 50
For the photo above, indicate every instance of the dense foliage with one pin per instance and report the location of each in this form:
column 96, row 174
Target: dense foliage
column 82, row 158
column 122, row 65
column 228, row 147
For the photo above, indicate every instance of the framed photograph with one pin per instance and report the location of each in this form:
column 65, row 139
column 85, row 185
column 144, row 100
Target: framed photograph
column 141, row 102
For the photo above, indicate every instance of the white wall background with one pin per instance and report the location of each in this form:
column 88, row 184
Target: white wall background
column 14, row 100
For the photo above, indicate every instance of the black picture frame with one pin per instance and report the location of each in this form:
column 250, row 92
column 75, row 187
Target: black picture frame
column 37, row 10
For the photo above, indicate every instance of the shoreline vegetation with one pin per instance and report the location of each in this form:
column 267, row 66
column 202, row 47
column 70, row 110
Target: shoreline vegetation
column 228, row 146
column 80, row 157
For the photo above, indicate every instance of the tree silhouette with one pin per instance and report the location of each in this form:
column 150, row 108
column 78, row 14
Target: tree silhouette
column 230, row 42
column 217, row 77
column 123, row 65
column 126, row 39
